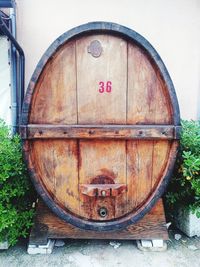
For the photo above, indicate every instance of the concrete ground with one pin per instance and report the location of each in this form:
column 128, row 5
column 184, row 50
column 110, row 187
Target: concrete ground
column 99, row 253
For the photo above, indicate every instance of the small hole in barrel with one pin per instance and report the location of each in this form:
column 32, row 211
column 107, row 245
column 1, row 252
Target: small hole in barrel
column 103, row 212
column 40, row 132
column 140, row 132
column 65, row 132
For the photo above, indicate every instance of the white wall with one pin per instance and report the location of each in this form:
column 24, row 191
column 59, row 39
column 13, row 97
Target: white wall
column 171, row 26
column 5, row 89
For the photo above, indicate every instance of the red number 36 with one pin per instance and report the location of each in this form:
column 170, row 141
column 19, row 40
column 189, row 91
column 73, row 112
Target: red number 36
column 105, row 87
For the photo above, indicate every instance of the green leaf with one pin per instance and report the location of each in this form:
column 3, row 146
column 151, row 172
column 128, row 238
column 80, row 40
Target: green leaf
column 184, row 187
column 16, row 191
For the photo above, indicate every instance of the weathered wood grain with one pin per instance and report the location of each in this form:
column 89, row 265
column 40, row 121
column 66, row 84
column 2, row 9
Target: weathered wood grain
column 76, row 133
column 47, row 225
column 99, row 28
column 56, row 163
column 95, row 107
column 102, row 162
column 161, row 152
column 39, row 131
column 147, row 102
column 54, row 98
column 40, row 155
column 139, row 172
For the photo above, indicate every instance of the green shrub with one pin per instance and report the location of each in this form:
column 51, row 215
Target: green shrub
column 16, row 193
column 184, row 188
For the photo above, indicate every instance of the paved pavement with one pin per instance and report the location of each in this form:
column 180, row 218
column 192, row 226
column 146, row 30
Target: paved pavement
column 99, row 253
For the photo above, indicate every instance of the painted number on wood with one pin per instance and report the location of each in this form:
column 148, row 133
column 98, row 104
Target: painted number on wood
column 105, row 87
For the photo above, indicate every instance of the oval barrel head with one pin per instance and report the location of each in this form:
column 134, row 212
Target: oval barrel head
column 100, row 124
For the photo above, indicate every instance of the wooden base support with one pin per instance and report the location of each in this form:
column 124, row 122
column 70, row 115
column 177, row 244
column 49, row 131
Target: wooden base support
column 48, row 226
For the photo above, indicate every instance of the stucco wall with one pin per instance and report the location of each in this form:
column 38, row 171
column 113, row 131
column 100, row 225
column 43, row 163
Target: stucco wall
column 172, row 27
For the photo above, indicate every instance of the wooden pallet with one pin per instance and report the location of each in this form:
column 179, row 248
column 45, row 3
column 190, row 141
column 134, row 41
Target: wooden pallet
column 48, row 226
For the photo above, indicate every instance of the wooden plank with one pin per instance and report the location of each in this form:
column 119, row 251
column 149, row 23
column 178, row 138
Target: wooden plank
column 41, row 156
column 132, row 174
column 148, row 100
column 160, row 159
column 163, row 110
column 65, row 164
column 34, row 131
column 145, row 152
column 102, row 162
column 95, row 106
column 139, row 172
column 54, row 99
column 151, row 226
column 56, row 162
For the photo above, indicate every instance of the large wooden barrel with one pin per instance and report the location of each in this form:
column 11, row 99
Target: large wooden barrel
column 100, row 124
